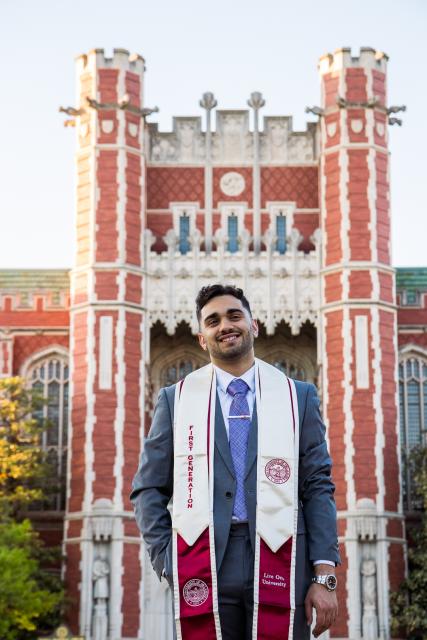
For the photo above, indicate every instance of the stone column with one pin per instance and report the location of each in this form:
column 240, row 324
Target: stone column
column 256, row 102
column 107, row 329
column 359, row 321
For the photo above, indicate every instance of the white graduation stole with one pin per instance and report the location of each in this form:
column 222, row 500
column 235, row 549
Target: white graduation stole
column 195, row 582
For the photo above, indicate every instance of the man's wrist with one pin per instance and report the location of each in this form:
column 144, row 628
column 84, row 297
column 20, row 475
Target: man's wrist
column 323, row 569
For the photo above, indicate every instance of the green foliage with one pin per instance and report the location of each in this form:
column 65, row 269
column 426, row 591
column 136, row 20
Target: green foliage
column 24, row 473
column 29, row 597
column 409, row 603
column 30, row 594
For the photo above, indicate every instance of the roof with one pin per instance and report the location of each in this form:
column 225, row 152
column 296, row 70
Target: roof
column 34, row 279
column 411, row 278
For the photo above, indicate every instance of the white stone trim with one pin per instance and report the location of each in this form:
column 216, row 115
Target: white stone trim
column 190, row 209
column 105, row 352
column 286, row 208
column 409, row 350
column 52, row 350
column 359, row 266
column 226, row 209
column 120, row 410
column 132, row 307
column 90, row 404
column 85, row 586
column 116, row 581
column 361, row 351
column 356, row 303
column 377, row 402
column 355, row 145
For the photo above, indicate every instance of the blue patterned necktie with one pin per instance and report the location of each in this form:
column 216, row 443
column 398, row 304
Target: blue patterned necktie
column 239, row 424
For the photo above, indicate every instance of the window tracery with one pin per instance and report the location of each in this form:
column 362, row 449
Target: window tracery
column 413, row 415
column 50, row 377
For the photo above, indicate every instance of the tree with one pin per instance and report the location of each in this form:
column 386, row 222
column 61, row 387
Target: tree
column 24, row 473
column 25, row 602
column 30, row 594
column 409, row 603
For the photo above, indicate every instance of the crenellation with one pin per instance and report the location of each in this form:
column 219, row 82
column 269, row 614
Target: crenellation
column 120, row 59
column 232, row 141
column 368, row 58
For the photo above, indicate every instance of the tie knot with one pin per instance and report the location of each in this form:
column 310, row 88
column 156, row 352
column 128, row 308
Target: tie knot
column 237, row 386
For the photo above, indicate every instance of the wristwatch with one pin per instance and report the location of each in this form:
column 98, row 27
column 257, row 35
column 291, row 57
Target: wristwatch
column 328, row 580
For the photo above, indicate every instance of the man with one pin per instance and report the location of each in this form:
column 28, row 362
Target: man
column 249, row 552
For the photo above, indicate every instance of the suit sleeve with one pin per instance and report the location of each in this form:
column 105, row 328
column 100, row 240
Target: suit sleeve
column 153, row 483
column 316, row 489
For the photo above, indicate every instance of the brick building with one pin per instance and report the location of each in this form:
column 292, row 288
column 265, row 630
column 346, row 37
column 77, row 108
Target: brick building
column 300, row 220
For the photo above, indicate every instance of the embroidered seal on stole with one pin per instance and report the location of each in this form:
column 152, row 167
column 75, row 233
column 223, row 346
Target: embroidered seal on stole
column 277, row 471
column 195, row 592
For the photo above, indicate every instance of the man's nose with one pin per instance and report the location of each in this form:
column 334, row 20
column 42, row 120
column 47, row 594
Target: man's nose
column 225, row 323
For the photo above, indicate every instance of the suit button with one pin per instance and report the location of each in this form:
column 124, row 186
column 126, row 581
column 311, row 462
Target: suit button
column 228, row 494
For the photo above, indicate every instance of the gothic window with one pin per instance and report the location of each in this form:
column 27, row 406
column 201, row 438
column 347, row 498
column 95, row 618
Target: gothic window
column 177, row 370
column 50, row 378
column 232, row 229
column 291, row 370
column 184, row 233
column 281, row 233
column 413, row 414
column 410, row 298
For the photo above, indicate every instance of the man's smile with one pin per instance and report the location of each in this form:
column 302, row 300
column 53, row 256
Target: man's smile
column 230, row 337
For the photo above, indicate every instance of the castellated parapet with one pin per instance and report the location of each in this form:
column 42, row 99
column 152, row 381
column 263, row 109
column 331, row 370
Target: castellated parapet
column 232, row 142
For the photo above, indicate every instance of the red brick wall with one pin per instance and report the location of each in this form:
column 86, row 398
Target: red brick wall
column 364, row 416
column 25, row 346
column 334, row 408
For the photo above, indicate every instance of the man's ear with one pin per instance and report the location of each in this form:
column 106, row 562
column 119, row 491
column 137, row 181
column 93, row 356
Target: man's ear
column 255, row 328
column 202, row 341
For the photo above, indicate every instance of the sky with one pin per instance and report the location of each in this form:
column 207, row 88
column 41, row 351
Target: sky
column 229, row 47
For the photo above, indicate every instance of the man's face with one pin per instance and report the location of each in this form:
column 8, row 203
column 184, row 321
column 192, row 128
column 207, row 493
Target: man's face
column 227, row 330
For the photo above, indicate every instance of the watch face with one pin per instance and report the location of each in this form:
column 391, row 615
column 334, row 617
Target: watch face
column 331, row 582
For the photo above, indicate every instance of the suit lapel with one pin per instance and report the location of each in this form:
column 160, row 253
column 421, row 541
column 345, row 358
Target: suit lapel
column 221, row 440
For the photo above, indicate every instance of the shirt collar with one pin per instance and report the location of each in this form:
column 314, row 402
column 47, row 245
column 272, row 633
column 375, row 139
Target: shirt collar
column 223, row 378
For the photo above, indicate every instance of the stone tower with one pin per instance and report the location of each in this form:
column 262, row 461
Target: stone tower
column 358, row 337
column 102, row 544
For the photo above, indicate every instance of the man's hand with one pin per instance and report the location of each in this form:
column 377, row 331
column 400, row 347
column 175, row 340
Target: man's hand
column 326, row 605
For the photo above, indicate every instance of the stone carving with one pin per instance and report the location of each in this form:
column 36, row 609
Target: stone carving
column 300, row 148
column 232, row 183
column 133, row 129
column 186, row 135
column 331, row 129
column 162, row 150
column 100, row 576
column 366, row 520
column 380, row 128
column 356, row 125
column 232, row 142
column 369, row 599
column 107, row 126
column 102, row 519
column 292, row 276
column 277, row 137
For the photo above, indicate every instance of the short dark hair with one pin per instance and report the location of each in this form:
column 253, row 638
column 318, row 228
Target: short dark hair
column 214, row 290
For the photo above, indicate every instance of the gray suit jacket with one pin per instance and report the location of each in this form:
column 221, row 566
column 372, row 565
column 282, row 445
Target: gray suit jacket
column 153, row 488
